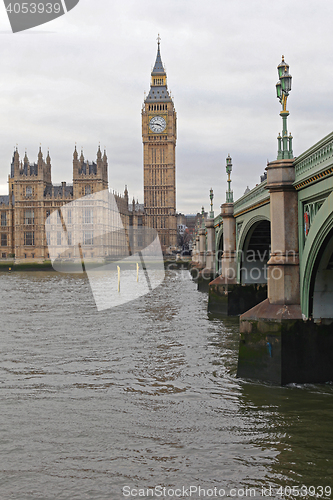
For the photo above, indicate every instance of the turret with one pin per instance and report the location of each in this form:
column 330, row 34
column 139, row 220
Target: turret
column 40, row 162
column 158, row 75
column 26, row 161
column 158, row 96
column 99, row 163
column 48, row 168
column 81, row 158
column 75, row 163
column 16, row 164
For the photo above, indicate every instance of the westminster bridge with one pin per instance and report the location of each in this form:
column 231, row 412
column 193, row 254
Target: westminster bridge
column 272, row 253
column 276, row 241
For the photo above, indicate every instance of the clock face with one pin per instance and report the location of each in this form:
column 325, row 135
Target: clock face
column 157, row 124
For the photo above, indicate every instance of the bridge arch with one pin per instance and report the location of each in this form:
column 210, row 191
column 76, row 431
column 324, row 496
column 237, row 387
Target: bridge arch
column 219, row 250
column 253, row 250
column 316, row 274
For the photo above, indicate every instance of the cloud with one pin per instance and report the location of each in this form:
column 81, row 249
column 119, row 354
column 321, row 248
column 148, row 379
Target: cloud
column 84, row 83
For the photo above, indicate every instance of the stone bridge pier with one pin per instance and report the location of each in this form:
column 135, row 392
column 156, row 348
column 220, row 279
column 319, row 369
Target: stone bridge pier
column 226, row 294
column 276, row 344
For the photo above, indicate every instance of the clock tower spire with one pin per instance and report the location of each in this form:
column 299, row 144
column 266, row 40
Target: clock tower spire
column 159, row 135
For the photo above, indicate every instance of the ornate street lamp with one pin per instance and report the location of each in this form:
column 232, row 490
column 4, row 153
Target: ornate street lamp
column 230, row 194
column 283, row 87
column 203, row 225
column 211, row 196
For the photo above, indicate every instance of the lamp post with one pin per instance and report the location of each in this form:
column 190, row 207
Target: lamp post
column 211, row 196
column 203, row 226
column 230, row 194
column 283, row 87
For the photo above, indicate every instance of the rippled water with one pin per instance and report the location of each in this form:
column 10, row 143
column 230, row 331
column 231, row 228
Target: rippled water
column 142, row 395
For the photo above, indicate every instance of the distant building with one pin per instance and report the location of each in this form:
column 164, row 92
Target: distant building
column 193, row 221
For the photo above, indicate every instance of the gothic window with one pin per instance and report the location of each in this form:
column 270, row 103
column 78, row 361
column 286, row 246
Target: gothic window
column 58, row 237
column 48, row 238
column 88, row 216
column 29, row 217
column 3, row 239
column 69, row 236
column 29, row 238
column 28, row 191
column 87, row 190
column 88, row 238
column 4, row 218
column 47, row 217
column 69, row 216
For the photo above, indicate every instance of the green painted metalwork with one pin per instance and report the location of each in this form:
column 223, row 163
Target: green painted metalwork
column 229, row 194
column 257, row 195
column 211, row 196
column 283, row 87
column 321, row 227
column 315, row 160
column 314, row 181
column 218, row 221
column 310, row 210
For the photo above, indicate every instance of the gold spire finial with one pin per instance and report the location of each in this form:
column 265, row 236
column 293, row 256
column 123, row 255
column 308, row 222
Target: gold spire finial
column 282, row 58
column 158, row 39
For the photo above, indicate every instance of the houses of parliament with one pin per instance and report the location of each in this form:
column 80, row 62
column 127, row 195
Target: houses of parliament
column 32, row 197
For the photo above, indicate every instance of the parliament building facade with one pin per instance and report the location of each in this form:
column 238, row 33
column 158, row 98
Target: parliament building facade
column 32, row 197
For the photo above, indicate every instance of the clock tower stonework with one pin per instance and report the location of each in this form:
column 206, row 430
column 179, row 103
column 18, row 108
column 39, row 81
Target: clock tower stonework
column 159, row 134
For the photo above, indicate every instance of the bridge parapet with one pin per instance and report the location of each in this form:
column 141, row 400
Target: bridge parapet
column 218, row 221
column 253, row 198
column 314, row 163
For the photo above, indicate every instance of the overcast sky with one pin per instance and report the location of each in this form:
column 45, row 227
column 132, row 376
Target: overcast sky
column 81, row 79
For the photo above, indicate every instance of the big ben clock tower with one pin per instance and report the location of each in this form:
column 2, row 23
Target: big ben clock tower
column 159, row 136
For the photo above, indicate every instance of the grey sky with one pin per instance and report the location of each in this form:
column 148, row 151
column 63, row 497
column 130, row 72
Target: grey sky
column 81, row 78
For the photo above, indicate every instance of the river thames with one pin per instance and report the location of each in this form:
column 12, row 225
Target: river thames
column 143, row 398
